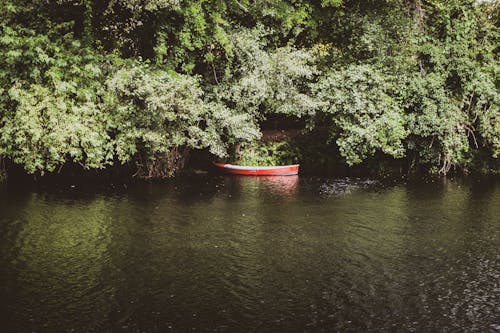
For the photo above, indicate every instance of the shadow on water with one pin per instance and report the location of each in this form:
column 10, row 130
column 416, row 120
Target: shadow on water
column 251, row 254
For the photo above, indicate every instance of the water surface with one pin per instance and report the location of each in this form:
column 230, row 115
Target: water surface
column 230, row 254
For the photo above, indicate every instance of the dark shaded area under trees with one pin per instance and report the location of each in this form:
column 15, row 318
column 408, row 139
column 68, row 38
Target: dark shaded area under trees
column 141, row 85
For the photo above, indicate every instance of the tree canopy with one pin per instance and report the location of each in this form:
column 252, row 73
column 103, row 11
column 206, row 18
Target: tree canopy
column 103, row 83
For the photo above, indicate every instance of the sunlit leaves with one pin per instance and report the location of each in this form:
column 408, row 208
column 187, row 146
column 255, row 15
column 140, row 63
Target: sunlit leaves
column 48, row 129
column 95, row 83
column 159, row 112
column 266, row 82
column 364, row 117
column 93, row 109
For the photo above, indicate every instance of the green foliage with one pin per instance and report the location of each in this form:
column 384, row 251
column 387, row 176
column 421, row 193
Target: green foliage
column 155, row 112
column 51, row 111
column 452, row 103
column 440, row 69
column 266, row 82
column 438, row 126
column 196, row 38
column 48, row 128
column 267, row 153
column 64, row 102
column 364, row 117
column 126, row 81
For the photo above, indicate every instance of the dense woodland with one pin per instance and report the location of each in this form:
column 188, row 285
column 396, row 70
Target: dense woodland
column 147, row 83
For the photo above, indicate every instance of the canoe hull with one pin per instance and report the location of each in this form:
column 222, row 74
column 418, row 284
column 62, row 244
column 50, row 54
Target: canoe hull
column 285, row 170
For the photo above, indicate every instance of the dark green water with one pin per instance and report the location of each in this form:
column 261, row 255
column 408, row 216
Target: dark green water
column 234, row 254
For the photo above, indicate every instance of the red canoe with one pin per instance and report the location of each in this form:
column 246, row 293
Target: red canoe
column 285, row 170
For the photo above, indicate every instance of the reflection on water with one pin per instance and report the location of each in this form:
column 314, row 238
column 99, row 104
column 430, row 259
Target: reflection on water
column 252, row 254
column 285, row 186
column 334, row 187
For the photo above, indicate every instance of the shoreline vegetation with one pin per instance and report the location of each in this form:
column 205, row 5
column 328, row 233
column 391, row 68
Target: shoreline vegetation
column 156, row 88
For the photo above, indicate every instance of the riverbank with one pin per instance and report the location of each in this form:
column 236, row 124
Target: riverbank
column 277, row 147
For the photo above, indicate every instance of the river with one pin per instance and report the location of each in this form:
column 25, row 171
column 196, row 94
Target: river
column 243, row 254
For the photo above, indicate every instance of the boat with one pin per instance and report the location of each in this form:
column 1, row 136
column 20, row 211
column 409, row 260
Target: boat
column 283, row 170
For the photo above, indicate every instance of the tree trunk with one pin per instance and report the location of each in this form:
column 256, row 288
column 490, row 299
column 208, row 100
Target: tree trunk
column 163, row 166
column 3, row 169
column 417, row 10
